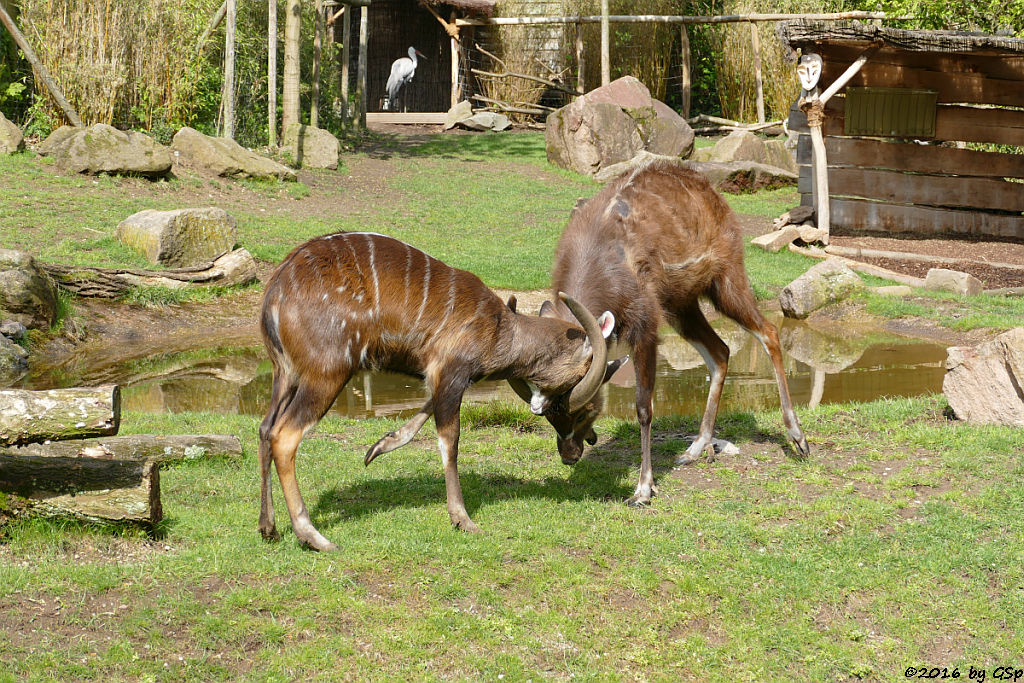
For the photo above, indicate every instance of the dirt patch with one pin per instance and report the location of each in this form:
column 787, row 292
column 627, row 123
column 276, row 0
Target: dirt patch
column 982, row 259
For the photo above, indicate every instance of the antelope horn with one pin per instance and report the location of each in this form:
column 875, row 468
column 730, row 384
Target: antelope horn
column 519, row 386
column 592, row 381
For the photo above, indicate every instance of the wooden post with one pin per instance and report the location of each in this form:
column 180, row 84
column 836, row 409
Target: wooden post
column 272, row 72
column 606, row 59
column 755, row 38
column 346, row 57
column 228, row 93
column 318, row 31
column 44, row 75
column 361, row 67
column 456, row 89
column 580, row 72
column 685, row 83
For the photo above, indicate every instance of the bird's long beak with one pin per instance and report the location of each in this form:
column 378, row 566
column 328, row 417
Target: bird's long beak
column 421, row 54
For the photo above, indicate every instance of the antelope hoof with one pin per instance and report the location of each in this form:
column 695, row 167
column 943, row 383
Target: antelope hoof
column 465, row 524
column 686, row 458
column 800, row 444
column 641, row 499
column 270, row 534
column 323, row 546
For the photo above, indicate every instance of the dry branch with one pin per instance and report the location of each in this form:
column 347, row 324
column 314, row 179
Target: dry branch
column 58, row 414
column 232, row 268
column 536, row 79
column 537, row 110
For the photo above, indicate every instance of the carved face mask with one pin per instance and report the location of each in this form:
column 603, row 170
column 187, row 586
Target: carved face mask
column 809, row 71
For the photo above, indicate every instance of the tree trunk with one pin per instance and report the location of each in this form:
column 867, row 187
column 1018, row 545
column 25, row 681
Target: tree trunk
column 228, row 94
column 155, row 447
column 58, row 414
column 290, row 94
column 318, row 31
column 272, row 72
column 40, row 70
column 95, row 490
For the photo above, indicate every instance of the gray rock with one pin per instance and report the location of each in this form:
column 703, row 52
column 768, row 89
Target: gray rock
column 56, row 139
column 179, row 238
column 12, row 140
column 742, row 176
column 739, row 145
column 954, row 281
column 13, row 330
column 610, row 125
column 825, row 283
column 311, row 147
column 642, row 158
column 486, row 120
column 777, row 154
column 982, row 383
column 26, row 294
column 13, row 362
column 893, row 290
column 104, row 149
column 460, row 112
column 225, row 157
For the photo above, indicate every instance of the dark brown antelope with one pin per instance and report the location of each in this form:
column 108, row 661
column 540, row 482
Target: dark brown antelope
column 647, row 248
column 360, row 300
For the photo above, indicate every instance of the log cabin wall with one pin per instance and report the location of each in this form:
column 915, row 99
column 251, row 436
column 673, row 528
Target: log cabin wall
column 931, row 186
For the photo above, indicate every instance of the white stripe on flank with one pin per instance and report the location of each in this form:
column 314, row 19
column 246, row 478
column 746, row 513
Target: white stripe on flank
column 450, row 306
column 376, row 280
column 426, row 292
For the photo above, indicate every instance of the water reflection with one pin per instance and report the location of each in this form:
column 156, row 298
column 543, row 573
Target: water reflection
column 823, row 366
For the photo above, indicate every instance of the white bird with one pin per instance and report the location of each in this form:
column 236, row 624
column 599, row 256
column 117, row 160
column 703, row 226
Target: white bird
column 402, row 71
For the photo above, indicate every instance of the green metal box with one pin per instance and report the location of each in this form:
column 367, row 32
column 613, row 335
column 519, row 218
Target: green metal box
column 890, row 112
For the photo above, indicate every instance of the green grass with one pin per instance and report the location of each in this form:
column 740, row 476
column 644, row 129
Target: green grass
column 897, row 543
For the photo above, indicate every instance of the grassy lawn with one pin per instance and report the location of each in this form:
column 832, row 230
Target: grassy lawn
column 899, row 543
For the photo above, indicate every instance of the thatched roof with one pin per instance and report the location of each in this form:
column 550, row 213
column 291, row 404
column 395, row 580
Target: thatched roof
column 805, row 34
column 484, row 7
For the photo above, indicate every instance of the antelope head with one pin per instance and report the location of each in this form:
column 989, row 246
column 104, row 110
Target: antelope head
column 573, row 412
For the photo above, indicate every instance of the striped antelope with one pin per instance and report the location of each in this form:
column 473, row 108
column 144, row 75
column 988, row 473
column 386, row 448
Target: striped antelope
column 362, row 300
column 646, row 248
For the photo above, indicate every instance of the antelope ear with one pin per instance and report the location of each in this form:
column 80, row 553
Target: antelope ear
column 512, row 303
column 547, row 310
column 607, row 323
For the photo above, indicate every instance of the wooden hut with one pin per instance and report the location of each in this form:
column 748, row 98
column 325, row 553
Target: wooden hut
column 428, row 25
column 895, row 132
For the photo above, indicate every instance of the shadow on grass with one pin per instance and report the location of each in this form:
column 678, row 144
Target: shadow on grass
column 606, row 472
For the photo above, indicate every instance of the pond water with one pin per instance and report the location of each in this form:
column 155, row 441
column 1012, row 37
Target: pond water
column 824, row 365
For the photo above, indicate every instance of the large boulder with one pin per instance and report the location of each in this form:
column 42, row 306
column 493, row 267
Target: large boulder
column 610, row 125
column 11, row 138
column 225, row 157
column 742, row 176
column 982, row 383
column 180, row 238
column 825, row 283
column 13, row 362
column 56, row 139
column 27, row 295
column 739, row 145
column 104, row 149
column 311, row 147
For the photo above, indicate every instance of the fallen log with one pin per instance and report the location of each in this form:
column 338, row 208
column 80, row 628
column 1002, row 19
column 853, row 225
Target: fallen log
column 154, row 447
column 85, row 488
column 58, row 414
column 235, row 267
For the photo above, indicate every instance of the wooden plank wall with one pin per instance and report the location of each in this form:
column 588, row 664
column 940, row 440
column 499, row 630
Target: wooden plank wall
column 893, row 186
